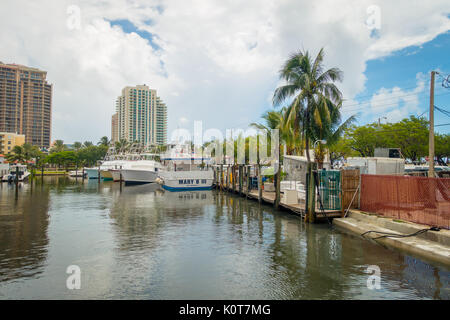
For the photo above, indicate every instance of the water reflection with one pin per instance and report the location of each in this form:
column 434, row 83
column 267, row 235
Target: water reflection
column 144, row 242
column 23, row 231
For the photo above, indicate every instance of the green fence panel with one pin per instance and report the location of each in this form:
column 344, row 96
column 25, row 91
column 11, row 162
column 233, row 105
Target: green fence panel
column 330, row 189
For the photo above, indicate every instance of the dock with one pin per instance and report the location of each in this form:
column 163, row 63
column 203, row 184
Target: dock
column 298, row 209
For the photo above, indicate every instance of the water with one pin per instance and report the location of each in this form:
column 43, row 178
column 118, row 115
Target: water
column 146, row 243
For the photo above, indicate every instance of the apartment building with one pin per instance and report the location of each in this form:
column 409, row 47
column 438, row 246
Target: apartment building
column 26, row 103
column 141, row 116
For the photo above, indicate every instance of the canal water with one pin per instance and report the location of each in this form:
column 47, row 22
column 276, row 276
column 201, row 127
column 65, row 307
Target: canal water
column 142, row 242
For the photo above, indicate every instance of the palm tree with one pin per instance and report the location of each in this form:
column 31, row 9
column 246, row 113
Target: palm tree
column 58, row 146
column 315, row 108
column 17, row 154
column 104, row 141
column 316, row 98
column 88, row 143
column 121, row 145
column 77, row 145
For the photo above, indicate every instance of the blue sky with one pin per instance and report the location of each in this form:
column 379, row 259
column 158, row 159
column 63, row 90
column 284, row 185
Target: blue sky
column 400, row 69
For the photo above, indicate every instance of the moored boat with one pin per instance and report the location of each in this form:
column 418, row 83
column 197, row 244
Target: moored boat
column 92, row 173
column 140, row 171
column 23, row 173
column 76, row 174
column 187, row 180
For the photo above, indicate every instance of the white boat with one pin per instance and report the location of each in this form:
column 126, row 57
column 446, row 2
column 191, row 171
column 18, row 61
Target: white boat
column 187, row 180
column 140, row 171
column 107, row 166
column 11, row 176
column 75, row 174
column 185, row 171
column 92, row 173
column 115, row 173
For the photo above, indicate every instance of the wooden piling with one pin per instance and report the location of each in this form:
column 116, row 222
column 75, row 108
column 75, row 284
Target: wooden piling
column 259, row 184
column 277, row 177
column 241, row 172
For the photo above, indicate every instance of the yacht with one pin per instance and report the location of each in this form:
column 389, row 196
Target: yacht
column 140, row 171
column 185, row 171
column 23, row 173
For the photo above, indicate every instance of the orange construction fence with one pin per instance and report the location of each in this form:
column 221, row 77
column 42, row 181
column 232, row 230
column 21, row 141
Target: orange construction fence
column 417, row 199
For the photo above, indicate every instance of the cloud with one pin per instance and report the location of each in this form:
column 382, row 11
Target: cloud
column 215, row 61
column 396, row 103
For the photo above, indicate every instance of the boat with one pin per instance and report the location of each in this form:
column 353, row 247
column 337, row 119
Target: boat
column 185, row 171
column 92, row 173
column 140, row 171
column 106, row 169
column 187, row 180
column 76, row 174
column 11, row 176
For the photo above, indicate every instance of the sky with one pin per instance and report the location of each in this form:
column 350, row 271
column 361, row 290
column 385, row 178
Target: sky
column 218, row 61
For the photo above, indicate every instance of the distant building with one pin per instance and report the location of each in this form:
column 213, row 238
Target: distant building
column 9, row 140
column 115, row 128
column 26, row 103
column 141, row 116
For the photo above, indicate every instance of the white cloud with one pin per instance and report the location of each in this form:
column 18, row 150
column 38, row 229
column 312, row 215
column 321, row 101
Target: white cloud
column 218, row 60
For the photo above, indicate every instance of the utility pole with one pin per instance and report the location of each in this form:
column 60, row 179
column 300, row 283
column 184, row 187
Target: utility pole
column 431, row 135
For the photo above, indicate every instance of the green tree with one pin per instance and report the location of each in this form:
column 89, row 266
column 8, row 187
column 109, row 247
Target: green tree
column 104, row 141
column 77, row 145
column 442, row 143
column 58, row 146
column 316, row 99
column 17, row 154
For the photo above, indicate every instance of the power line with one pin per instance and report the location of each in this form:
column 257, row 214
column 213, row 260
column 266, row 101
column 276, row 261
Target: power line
column 388, row 104
column 390, row 98
column 447, row 113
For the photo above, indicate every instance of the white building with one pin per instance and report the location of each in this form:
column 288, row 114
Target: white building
column 141, row 116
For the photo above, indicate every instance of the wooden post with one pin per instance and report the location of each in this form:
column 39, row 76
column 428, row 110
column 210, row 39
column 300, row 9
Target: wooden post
column 17, row 181
column 259, row 184
column 248, row 180
column 221, row 177
column 310, row 214
column 241, row 180
column 233, row 174
column 277, row 185
column 431, row 133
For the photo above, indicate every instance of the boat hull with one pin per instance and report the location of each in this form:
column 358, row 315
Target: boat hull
column 115, row 175
column 187, row 180
column 135, row 176
column 106, row 175
column 92, row 173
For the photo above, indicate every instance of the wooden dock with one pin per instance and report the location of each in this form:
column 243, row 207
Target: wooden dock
column 297, row 209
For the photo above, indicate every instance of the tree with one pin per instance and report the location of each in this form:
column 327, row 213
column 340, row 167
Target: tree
column 77, row 145
column 58, row 146
column 315, row 109
column 442, row 142
column 104, row 141
column 88, row 143
column 17, row 154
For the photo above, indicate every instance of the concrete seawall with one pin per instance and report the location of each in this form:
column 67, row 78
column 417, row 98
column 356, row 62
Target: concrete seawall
column 430, row 245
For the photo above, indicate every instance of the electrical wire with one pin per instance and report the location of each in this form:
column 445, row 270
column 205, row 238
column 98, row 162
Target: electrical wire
column 447, row 113
column 395, row 235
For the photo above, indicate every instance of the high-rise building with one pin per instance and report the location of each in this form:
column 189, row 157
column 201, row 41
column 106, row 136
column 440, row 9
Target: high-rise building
column 115, row 127
column 142, row 116
column 26, row 103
